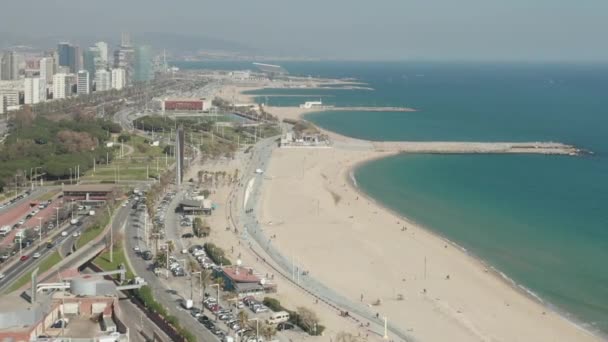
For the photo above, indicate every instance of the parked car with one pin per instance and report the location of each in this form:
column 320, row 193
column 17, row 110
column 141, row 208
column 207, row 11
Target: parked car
column 284, row 326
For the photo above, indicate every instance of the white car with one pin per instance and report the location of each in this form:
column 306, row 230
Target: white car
column 36, row 255
column 64, row 233
column 76, row 234
column 2, row 275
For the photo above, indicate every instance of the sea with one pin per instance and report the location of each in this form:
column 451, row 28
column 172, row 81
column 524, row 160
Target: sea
column 541, row 221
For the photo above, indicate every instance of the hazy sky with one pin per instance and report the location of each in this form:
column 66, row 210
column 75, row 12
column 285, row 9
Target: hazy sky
column 360, row 29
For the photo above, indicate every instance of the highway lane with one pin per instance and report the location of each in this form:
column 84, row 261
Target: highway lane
column 14, row 272
column 60, row 243
column 33, row 194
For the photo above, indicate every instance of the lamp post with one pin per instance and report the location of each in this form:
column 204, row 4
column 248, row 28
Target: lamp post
column 218, row 296
column 57, row 217
column 257, row 328
column 200, row 285
column 40, row 228
column 111, row 235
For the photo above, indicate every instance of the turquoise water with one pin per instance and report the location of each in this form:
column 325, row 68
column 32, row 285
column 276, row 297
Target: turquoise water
column 542, row 220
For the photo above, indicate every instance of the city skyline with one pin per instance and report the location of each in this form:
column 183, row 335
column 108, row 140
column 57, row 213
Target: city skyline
column 397, row 30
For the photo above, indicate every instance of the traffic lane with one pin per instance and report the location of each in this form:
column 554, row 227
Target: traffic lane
column 15, row 270
column 33, row 193
column 162, row 294
column 19, row 212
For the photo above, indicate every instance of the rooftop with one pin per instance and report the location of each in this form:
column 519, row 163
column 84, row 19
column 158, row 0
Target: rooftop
column 191, row 203
column 240, row 274
column 90, row 187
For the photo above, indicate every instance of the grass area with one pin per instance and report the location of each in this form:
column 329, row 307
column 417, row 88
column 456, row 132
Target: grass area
column 44, row 266
column 129, row 170
column 88, row 235
column 143, row 148
column 7, row 195
column 145, row 161
column 47, row 196
column 103, row 260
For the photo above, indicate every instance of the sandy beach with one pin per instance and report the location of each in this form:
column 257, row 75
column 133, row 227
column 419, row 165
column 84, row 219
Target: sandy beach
column 426, row 285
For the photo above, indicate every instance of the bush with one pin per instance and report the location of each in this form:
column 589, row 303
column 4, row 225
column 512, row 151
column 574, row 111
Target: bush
column 273, row 304
column 216, row 254
column 296, row 318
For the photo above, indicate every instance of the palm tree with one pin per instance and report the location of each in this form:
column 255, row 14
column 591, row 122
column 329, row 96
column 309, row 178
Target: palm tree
column 268, row 331
column 243, row 318
column 205, row 281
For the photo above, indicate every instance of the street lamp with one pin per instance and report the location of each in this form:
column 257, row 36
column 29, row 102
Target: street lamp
column 40, row 227
column 57, row 218
column 257, row 328
column 200, row 285
column 218, row 296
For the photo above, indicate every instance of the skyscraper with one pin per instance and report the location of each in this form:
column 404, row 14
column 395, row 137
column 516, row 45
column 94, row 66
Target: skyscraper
column 32, row 90
column 9, row 69
column 89, row 57
column 103, row 80
column 124, row 57
column 47, row 66
column 102, row 47
column 61, row 86
column 70, row 56
column 143, row 64
column 83, row 83
column 118, row 78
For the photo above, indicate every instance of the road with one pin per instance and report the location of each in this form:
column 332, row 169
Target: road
column 63, row 245
column 165, row 296
column 15, row 271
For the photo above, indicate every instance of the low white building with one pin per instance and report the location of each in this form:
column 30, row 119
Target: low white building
column 33, row 90
column 83, row 82
column 119, row 78
column 103, row 80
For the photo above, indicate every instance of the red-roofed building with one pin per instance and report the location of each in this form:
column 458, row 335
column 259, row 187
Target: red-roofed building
column 244, row 281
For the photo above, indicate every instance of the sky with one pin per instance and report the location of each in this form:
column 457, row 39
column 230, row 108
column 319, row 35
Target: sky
column 535, row 30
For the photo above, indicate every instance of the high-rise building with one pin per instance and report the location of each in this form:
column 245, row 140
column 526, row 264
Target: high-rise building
column 32, row 93
column 103, row 80
column 89, row 57
column 3, row 108
column 61, row 86
column 143, row 64
column 47, row 67
column 9, row 67
column 83, row 83
column 102, row 47
column 124, row 57
column 118, row 78
column 70, row 56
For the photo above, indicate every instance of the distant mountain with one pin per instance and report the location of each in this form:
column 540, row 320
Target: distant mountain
column 173, row 42
column 182, row 43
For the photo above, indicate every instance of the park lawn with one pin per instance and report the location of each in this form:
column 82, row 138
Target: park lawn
column 143, row 149
column 44, row 266
column 103, row 261
column 127, row 171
